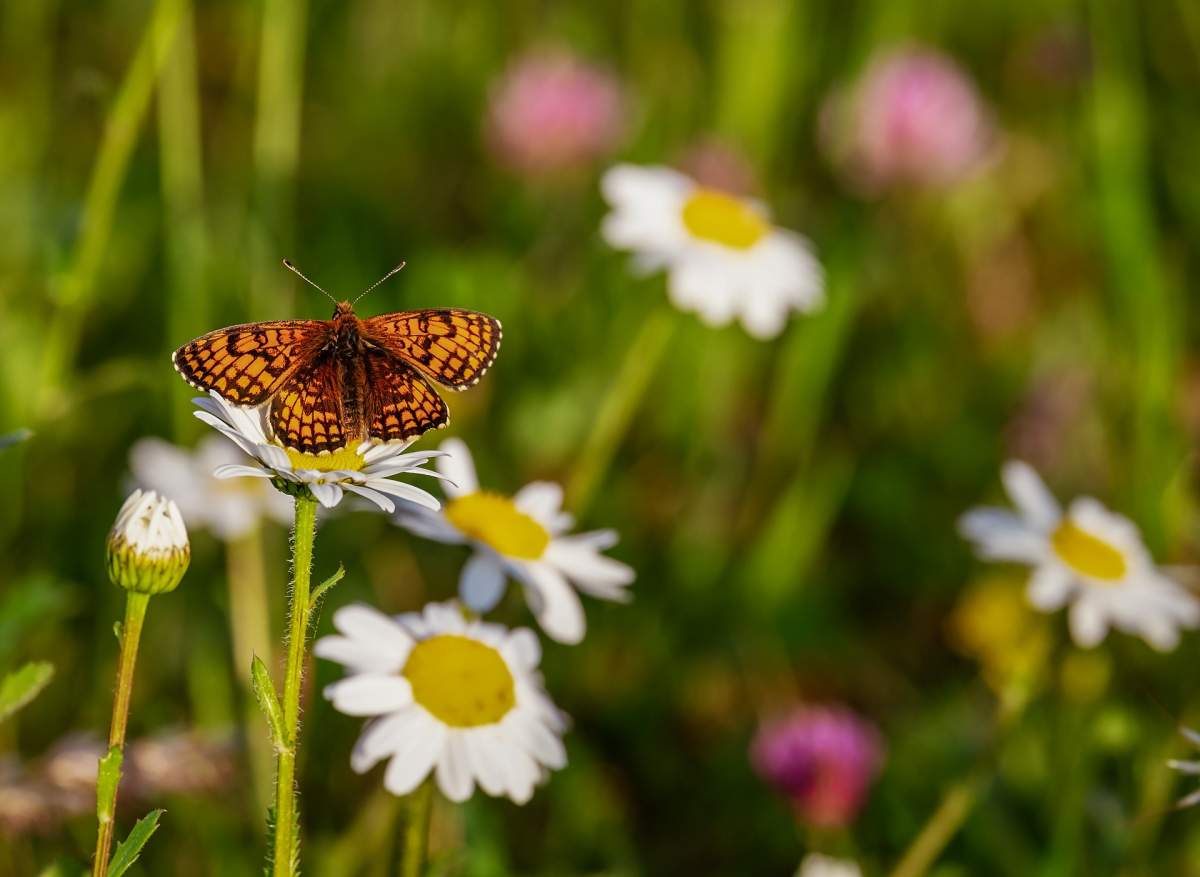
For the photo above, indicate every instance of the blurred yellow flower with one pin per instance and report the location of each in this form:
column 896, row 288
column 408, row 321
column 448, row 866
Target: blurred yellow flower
column 994, row 625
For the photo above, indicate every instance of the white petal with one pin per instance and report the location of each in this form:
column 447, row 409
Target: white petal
column 536, row 738
column 416, row 757
column 590, row 571
column 521, row 772
column 427, row 524
column 998, row 534
column 382, row 632
column 1030, row 495
column 1088, row 621
column 368, row 694
column 553, row 602
column 541, row 500
column 328, row 495
column 236, row 470
column 362, row 655
column 485, row 755
column 407, row 493
column 481, row 584
column 1049, row 587
column 380, row 738
column 457, row 466
column 454, row 769
column 523, row 648
column 385, row 504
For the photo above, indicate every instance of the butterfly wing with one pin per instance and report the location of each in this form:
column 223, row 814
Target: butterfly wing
column 307, row 413
column 247, row 364
column 399, row 405
column 450, row 346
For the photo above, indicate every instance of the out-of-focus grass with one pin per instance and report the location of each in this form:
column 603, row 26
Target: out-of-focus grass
column 789, row 506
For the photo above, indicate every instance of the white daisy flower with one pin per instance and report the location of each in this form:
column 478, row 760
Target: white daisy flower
column 148, row 547
column 1088, row 557
column 817, row 865
column 1187, row 768
column 461, row 698
column 723, row 257
column 229, row 508
column 366, row 469
column 523, row 537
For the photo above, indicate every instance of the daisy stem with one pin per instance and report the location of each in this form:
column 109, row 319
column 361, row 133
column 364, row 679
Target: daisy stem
column 286, row 810
column 416, row 831
column 106, row 802
column 616, row 411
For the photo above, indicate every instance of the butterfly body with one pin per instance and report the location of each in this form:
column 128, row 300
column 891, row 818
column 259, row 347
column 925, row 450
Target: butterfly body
column 331, row 383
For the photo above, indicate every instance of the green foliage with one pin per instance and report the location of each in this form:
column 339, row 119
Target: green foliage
column 268, row 701
column 129, row 849
column 107, row 781
column 21, row 686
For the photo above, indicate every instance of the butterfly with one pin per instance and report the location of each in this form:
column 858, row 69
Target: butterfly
column 330, row 383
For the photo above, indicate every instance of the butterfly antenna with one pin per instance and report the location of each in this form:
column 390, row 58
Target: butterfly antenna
column 379, row 281
column 288, row 265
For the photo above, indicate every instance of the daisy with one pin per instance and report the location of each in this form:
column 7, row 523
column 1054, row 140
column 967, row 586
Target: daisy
column 148, row 547
column 230, row 509
column 365, row 470
column 461, row 698
column 522, row 537
column 1089, row 557
column 723, row 257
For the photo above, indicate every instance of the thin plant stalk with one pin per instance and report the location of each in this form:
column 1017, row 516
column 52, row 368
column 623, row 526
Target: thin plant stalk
column 616, row 411
column 415, row 848
column 131, row 634
column 250, row 632
column 121, row 130
column 286, row 805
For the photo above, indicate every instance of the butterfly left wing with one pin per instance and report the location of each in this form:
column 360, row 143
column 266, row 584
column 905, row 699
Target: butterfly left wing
column 399, row 404
column 307, row 413
column 451, row 346
column 248, row 363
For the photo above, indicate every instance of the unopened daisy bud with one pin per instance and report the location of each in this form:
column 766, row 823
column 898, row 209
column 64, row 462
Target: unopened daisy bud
column 148, row 550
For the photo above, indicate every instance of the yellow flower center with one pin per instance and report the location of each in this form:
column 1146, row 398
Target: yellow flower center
column 461, row 681
column 346, row 458
column 1087, row 554
column 724, row 219
column 496, row 521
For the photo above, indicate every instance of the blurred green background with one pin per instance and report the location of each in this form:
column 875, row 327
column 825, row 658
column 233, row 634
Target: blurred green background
column 789, row 506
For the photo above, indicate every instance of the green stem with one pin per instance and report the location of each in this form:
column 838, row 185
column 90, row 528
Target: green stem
column 286, row 818
column 617, row 410
column 131, row 634
column 416, row 831
column 945, row 822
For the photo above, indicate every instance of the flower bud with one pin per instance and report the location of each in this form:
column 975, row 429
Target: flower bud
column 148, row 548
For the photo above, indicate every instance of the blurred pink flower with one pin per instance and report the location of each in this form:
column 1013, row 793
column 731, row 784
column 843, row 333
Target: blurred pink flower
column 824, row 758
column 715, row 164
column 914, row 118
column 552, row 112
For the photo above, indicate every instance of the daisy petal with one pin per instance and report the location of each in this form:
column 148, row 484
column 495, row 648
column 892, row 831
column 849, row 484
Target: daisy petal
column 1030, row 495
column 454, row 769
column 368, row 694
column 554, row 602
column 481, row 584
column 458, row 467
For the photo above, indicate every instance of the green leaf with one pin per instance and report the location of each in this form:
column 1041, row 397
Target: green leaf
column 268, row 701
column 106, row 784
column 128, row 850
column 294, row 864
column 21, row 686
column 320, row 590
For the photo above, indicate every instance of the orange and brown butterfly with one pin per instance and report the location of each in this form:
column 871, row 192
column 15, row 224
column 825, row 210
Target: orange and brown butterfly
column 329, row 384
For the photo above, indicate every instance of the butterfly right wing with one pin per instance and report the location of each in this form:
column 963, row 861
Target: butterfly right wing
column 307, row 414
column 248, row 363
column 399, row 404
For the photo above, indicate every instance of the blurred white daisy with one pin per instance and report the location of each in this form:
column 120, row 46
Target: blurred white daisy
column 523, row 537
column 724, row 259
column 817, row 865
column 461, row 698
column 366, row 469
column 228, row 508
column 1089, row 557
column 1187, row 768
